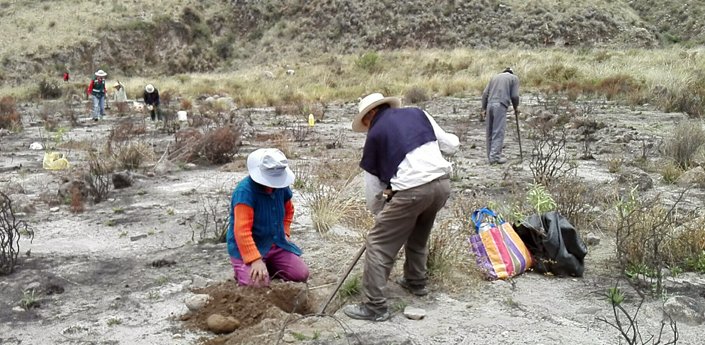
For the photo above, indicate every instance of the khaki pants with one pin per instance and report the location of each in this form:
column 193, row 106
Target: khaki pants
column 406, row 220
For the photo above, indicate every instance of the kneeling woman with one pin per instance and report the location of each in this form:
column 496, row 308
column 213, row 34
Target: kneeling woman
column 261, row 212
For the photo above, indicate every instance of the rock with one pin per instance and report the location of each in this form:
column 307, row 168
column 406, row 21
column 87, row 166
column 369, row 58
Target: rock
column 414, row 313
column 36, row 146
column 290, row 72
column 138, row 237
column 150, row 174
column 165, row 167
column 18, row 309
column 636, row 178
column 66, row 188
column 177, row 336
column 268, row 75
column 592, row 239
column 196, row 302
column 220, row 324
column 695, row 176
column 54, row 209
column 288, row 338
column 12, row 188
column 199, row 282
column 210, row 99
column 122, row 180
column 685, row 309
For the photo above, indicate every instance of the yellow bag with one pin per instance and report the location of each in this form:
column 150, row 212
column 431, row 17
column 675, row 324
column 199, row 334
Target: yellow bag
column 55, row 161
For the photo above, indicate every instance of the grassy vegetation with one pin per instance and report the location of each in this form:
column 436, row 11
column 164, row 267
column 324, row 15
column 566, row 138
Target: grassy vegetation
column 662, row 77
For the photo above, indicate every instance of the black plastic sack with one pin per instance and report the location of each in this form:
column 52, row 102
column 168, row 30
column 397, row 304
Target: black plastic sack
column 554, row 244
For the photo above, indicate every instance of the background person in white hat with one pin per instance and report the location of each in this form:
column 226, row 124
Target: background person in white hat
column 261, row 212
column 151, row 99
column 97, row 90
column 402, row 161
column 501, row 91
column 119, row 95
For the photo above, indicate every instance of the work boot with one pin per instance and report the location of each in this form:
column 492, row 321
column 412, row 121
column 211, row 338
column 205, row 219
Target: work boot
column 362, row 312
column 501, row 160
column 417, row 290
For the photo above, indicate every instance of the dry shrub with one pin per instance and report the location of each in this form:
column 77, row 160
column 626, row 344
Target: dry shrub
column 416, row 94
column 185, row 104
column 221, row 144
column 574, row 200
column 125, row 130
column 333, row 196
column 671, row 172
column 165, row 98
column 688, row 243
column 76, row 200
column 618, row 85
column 688, row 137
column 131, row 155
column 11, row 230
column 185, row 148
column 9, row 117
column 645, row 231
column 549, row 158
column 49, row 89
column 98, row 177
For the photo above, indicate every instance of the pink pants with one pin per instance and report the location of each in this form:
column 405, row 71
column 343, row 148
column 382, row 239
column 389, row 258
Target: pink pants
column 280, row 264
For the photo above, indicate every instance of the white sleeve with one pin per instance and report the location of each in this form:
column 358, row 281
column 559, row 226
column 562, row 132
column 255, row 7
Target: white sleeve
column 373, row 188
column 447, row 142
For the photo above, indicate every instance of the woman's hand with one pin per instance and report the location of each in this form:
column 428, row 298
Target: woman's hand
column 258, row 271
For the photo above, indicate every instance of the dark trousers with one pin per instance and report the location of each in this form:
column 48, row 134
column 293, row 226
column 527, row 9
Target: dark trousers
column 406, row 221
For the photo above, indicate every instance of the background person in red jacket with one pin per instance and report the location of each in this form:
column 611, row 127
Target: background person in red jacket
column 97, row 90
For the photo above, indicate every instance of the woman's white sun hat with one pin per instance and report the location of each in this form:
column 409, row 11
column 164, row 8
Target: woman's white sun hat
column 101, row 73
column 368, row 103
column 270, row 167
column 149, row 88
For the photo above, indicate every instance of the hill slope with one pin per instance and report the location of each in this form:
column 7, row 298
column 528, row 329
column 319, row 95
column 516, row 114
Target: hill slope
column 178, row 36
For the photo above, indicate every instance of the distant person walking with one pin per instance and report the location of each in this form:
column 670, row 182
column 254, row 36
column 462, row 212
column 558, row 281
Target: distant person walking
column 66, row 75
column 151, row 99
column 97, row 90
column 502, row 90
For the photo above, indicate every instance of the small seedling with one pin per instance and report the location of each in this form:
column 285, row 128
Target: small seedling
column 29, row 300
column 114, row 321
column 153, row 295
column 123, row 234
column 141, row 192
column 111, row 222
column 118, row 210
column 162, row 280
column 351, row 287
column 170, row 211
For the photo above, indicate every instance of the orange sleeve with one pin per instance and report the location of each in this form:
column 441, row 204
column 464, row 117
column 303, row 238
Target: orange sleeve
column 288, row 217
column 242, row 226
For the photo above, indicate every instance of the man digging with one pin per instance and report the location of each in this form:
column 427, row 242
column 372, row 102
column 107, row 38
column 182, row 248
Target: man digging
column 405, row 172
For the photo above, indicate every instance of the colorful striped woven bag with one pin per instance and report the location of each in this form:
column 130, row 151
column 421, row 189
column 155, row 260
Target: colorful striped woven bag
column 498, row 250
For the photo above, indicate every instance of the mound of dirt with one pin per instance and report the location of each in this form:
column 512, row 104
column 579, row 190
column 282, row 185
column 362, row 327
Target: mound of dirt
column 251, row 305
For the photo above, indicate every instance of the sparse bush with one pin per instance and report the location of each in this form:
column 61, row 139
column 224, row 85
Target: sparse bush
column 688, row 137
column 549, row 159
column 671, row 172
column 211, row 221
column 125, row 130
column 76, row 200
column 131, row 155
column 416, row 94
column 614, row 164
column 9, row 117
column 618, row 86
column 574, row 200
column 644, row 229
column 11, row 230
column 330, row 203
column 98, row 177
column 185, row 104
column 369, row 62
column 49, row 89
column 221, row 144
column 628, row 325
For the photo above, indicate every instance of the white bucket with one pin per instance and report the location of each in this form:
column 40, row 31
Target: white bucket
column 181, row 114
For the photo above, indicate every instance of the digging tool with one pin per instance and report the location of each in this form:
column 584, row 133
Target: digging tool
column 342, row 279
column 516, row 117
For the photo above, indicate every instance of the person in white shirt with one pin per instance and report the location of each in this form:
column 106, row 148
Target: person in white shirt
column 407, row 183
